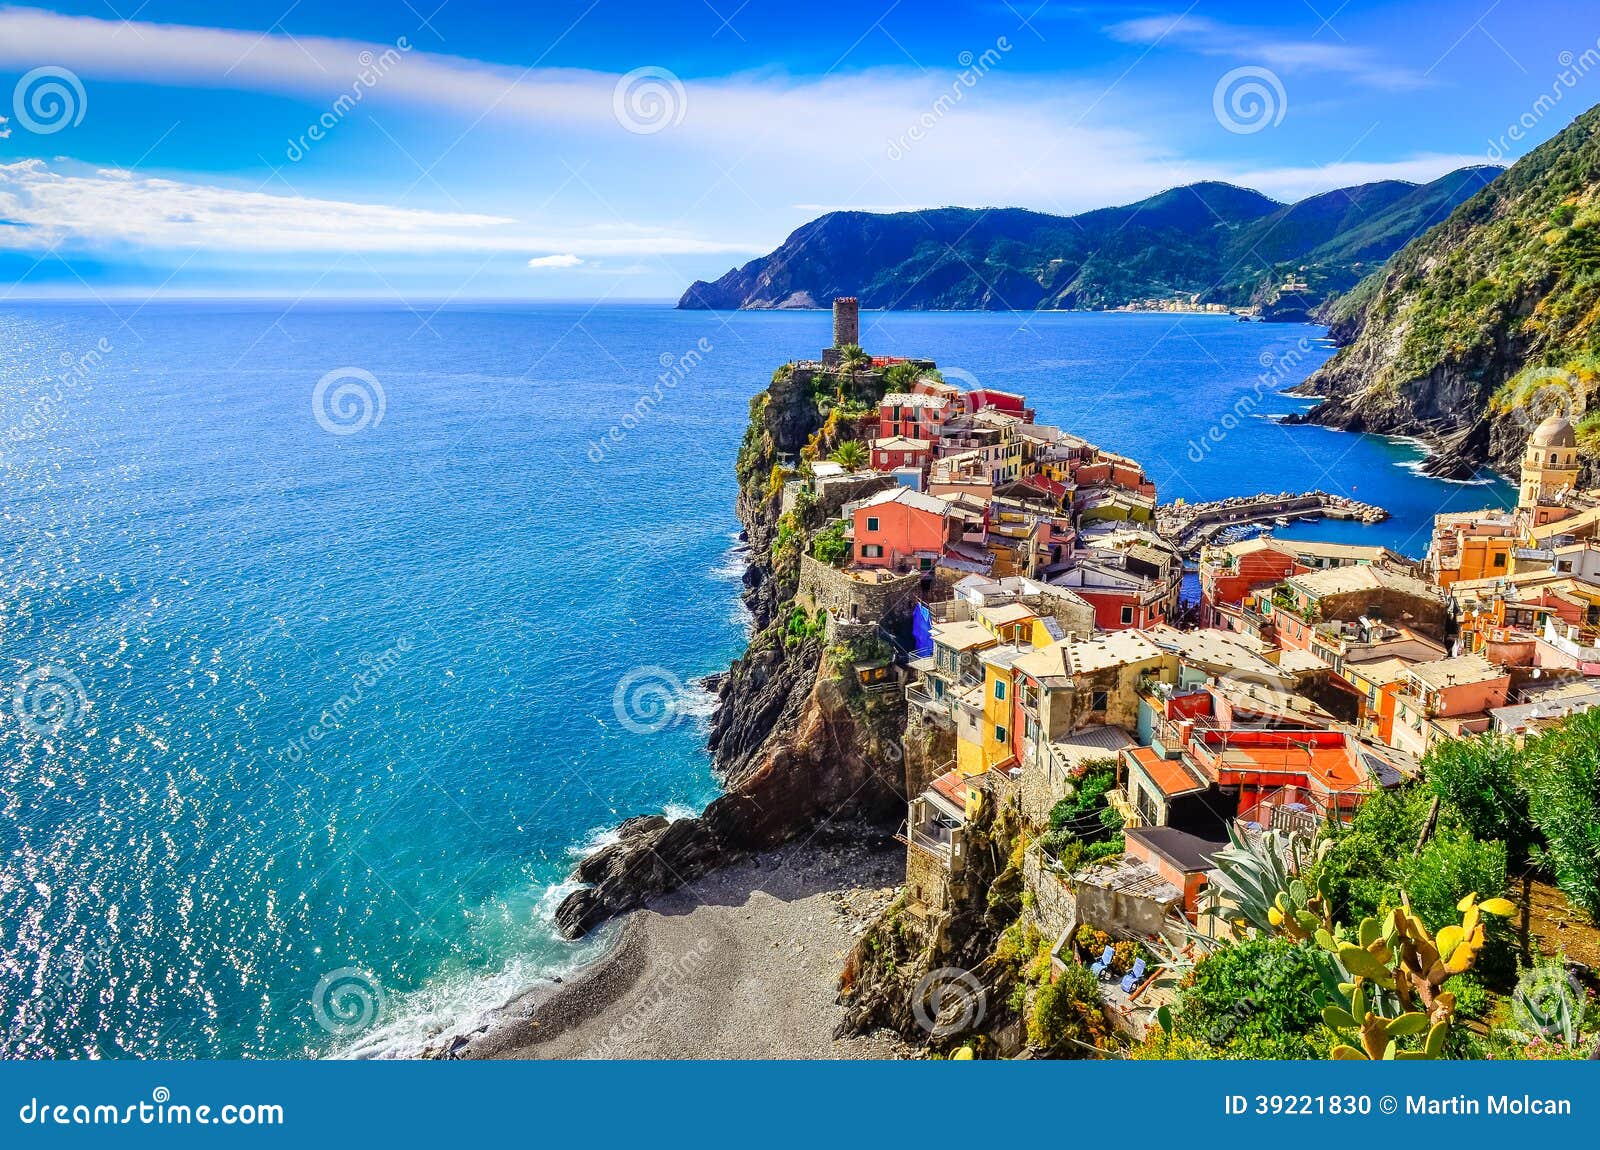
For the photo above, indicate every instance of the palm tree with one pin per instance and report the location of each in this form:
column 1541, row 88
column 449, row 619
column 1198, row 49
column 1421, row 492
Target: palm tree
column 852, row 358
column 850, row 454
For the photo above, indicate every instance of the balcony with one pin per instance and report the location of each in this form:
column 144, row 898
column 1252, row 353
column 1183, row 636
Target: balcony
column 919, row 695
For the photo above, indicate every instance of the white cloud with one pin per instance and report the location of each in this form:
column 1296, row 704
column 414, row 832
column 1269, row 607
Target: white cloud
column 562, row 261
column 1214, row 38
column 113, row 206
column 746, row 145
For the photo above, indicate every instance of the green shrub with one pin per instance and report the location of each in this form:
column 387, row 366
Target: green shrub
column 1253, row 999
column 830, row 545
column 1068, row 1015
column 1561, row 776
column 1478, row 778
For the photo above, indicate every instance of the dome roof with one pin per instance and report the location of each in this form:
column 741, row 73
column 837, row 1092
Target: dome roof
column 1554, row 432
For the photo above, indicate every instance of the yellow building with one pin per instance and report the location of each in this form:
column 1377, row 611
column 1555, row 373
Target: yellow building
column 1549, row 468
column 999, row 705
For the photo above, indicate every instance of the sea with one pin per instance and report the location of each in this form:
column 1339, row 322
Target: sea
column 333, row 633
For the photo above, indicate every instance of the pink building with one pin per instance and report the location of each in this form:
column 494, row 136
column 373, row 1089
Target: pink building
column 903, row 530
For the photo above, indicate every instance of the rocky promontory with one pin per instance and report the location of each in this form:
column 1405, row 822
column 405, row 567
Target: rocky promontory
column 794, row 739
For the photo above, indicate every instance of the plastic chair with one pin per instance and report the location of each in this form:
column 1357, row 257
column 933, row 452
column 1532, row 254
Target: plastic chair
column 1131, row 979
column 1102, row 968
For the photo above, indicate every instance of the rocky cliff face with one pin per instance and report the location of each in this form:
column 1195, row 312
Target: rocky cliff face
column 794, row 740
column 1476, row 331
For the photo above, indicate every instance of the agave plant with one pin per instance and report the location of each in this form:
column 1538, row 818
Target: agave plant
column 1258, row 887
column 1548, row 1005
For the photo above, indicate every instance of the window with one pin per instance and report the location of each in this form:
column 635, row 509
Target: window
column 1127, row 614
column 872, row 523
column 999, row 689
column 999, row 734
column 926, row 563
column 1500, row 560
column 1100, row 701
column 871, row 551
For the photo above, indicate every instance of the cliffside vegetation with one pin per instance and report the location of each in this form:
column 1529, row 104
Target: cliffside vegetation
column 1476, row 330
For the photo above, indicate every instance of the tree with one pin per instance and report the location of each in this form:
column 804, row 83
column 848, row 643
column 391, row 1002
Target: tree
column 1479, row 779
column 850, row 454
column 1561, row 777
column 852, row 358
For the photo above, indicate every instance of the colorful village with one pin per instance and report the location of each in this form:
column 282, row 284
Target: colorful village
column 1159, row 752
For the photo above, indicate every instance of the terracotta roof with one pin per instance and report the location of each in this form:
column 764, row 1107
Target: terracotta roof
column 1169, row 775
column 951, row 785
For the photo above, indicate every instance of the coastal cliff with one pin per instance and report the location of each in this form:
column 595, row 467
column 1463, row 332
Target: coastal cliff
column 794, row 739
column 1477, row 330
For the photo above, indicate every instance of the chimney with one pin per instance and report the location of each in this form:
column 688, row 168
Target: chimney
column 846, row 321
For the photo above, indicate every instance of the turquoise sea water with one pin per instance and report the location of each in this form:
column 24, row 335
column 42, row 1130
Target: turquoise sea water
column 302, row 720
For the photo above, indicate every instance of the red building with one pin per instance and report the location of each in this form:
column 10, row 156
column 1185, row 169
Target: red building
column 1227, row 575
column 898, row 451
column 990, row 399
column 913, row 416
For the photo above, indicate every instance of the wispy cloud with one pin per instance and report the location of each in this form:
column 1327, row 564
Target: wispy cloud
column 562, row 261
column 111, row 206
column 1254, row 46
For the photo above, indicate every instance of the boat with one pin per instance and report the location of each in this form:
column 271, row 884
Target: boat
column 1280, row 521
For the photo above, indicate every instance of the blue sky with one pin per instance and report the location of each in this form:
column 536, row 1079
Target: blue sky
column 597, row 148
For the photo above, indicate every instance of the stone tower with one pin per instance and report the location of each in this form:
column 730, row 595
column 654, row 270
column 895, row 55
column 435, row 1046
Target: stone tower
column 1549, row 465
column 846, row 321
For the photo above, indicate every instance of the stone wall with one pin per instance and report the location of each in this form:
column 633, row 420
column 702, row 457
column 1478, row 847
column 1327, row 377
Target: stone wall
column 1054, row 908
column 833, row 494
column 834, row 591
column 927, row 880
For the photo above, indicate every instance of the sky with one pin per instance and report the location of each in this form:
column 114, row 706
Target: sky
column 592, row 149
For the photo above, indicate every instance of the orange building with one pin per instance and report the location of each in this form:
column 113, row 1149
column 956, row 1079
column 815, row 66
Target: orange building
column 902, row 530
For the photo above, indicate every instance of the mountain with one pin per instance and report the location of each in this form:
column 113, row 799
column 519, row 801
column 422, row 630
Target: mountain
column 1476, row 330
column 1211, row 241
